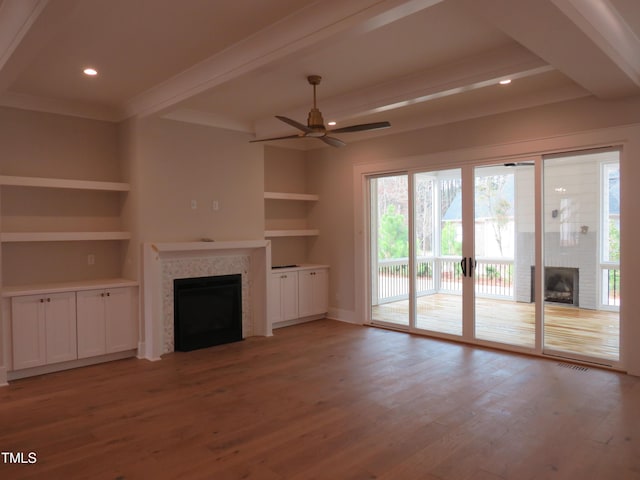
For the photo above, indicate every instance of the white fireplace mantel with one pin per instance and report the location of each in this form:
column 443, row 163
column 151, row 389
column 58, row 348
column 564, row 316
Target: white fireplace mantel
column 155, row 255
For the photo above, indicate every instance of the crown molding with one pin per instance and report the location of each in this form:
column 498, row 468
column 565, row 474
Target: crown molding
column 61, row 107
column 208, row 119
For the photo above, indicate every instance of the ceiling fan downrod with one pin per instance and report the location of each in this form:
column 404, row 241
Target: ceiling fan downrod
column 315, row 120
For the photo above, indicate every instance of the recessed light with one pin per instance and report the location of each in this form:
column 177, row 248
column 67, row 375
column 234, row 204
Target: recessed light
column 506, row 81
column 331, row 124
column 91, row 72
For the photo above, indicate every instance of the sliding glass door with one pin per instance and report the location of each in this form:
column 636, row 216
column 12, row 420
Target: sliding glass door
column 389, row 250
column 538, row 271
column 504, row 253
column 416, row 284
column 437, row 206
column 581, row 272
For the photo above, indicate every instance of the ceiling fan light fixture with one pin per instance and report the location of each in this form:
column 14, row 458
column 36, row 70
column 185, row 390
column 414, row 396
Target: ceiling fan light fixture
column 315, row 120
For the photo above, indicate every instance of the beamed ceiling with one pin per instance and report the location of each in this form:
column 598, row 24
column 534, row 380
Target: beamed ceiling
column 236, row 64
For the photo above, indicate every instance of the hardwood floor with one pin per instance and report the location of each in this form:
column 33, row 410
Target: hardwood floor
column 593, row 333
column 326, row 400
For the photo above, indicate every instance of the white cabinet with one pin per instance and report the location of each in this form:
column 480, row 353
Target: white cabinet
column 298, row 293
column 283, row 296
column 121, row 320
column 91, row 323
column 43, row 329
column 106, row 321
column 313, row 292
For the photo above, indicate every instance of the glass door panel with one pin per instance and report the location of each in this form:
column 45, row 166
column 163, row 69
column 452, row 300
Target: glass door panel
column 581, row 273
column 389, row 237
column 437, row 204
column 504, row 245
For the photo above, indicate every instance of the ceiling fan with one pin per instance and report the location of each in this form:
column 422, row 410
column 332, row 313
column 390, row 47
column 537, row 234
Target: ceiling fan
column 315, row 124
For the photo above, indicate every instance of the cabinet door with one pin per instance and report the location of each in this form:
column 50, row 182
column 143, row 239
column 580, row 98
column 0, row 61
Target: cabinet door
column 28, row 331
column 305, row 293
column 274, row 307
column 60, row 327
column 289, row 285
column 321, row 291
column 121, row 320
column 91, row 323
column 313, row 292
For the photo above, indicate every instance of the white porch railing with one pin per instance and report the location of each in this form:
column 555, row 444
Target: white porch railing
column 493, row 278
column 610, row 285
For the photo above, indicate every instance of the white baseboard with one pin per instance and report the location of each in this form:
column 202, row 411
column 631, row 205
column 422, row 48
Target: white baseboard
column 57, row 367
column 347, row 316
column 296, row 321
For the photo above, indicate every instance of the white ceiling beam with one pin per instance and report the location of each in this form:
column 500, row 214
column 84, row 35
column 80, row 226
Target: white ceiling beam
column 302, row 30
column 16, row 18
column 467, row 74
column 558, row 36
column 604, row 26
column 30, row 24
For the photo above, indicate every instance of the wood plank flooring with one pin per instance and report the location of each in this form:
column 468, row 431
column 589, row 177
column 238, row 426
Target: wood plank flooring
column 593, row 333
column 326, row 400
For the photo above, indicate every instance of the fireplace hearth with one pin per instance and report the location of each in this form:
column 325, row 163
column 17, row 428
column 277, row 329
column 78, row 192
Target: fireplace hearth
column 207, row 311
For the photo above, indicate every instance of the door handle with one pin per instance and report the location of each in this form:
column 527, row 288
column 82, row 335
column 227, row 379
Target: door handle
column 463, row 266
column 472, row 266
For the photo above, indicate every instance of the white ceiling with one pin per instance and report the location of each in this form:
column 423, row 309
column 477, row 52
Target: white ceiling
column 236, row 63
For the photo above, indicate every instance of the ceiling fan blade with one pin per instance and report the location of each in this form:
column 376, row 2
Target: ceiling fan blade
column 362, row 127
column 334, row 142
column 276, row 138
column 519, row 164
column 293, row 123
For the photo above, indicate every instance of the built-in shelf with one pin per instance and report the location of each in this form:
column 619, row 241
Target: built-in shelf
column 62, row 236
column 63, row 183
column 291, row 233
column 307, row 197
column 57, row 287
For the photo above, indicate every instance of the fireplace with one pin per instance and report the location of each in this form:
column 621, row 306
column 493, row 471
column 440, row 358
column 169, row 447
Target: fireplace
column 560, row 285
column 207, row 311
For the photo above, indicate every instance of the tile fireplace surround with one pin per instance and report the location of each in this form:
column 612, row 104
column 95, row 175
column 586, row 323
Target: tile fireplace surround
column 164, row 262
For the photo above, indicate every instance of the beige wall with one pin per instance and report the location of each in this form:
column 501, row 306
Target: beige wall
column 172, row 163
column 179, row 163
column 285, row 171
column 47, row 145
column 331, row 175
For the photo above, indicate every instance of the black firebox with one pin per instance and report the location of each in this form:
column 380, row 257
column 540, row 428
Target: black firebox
column 207, row 311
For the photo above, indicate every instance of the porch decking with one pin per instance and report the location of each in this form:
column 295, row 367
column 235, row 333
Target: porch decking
column 593, row 333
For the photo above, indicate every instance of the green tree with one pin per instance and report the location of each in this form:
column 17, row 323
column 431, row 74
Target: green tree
column 614, row 240
column 448, row 243
column 393, row 235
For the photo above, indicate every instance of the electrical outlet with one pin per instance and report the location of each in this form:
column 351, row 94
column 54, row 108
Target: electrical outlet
column 91, row 259
column 215, row 205
column 194, row 204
